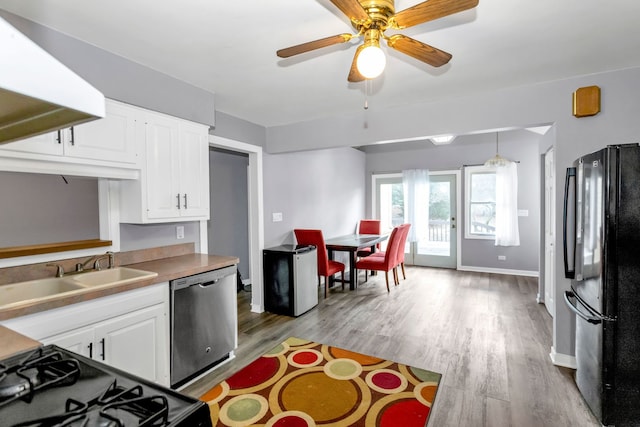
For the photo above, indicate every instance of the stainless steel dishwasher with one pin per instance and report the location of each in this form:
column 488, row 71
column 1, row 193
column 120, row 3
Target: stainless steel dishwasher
column 204, row 322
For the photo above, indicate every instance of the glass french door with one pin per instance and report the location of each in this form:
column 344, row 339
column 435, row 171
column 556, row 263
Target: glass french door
column 439, row 247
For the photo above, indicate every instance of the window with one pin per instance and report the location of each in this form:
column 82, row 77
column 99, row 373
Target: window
column 480, row 202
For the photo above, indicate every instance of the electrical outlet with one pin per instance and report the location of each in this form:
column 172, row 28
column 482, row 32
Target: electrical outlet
column 502, row 258
column 276, row 216
column 180, row 232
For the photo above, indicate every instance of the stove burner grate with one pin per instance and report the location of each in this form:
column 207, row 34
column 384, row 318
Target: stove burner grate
column 37, row 371
column 115, row 407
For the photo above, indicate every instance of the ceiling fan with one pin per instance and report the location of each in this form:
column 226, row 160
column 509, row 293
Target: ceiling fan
column 371, row 18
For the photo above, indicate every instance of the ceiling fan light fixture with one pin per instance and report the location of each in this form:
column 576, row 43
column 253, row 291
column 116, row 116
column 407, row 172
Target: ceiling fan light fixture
column 371, row 60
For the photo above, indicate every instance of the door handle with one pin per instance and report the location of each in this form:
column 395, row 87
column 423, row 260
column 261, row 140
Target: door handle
column 103, row 348
column 90, row 346
column 178, row 199
column 569, row 190
column 73, row 138
column 185, row 200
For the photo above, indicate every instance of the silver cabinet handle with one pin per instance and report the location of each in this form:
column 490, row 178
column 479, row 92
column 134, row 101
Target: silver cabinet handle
column 103, row 348
column 90, row 346
column 59, row 137
column 178, row 199
column 73, row 138
column 185, row 200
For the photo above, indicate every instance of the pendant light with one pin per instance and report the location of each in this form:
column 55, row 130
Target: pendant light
column 497, row 160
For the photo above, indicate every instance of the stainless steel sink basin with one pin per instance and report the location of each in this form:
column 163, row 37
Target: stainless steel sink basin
column 43, row 289
column 112, row 276
column 36, row 289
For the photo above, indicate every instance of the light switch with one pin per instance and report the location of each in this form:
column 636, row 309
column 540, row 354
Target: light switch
column 276, row 216
column 180, row 232
column 523, row 212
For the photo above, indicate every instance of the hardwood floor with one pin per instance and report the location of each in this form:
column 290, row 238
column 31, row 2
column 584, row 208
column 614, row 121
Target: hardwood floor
column 484, row 333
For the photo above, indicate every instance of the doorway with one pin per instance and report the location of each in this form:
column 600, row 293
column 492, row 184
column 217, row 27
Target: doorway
column 256, row 215
column 440, row 247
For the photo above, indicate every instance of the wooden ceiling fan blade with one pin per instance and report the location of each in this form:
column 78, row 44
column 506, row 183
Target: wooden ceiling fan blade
column 352, row 9
column 430, row 10
column 418, row 50
column 354, row 74
column 316, row 44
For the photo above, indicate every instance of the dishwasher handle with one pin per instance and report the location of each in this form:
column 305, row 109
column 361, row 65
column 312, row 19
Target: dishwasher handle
column 209, row 283
column 203, row 279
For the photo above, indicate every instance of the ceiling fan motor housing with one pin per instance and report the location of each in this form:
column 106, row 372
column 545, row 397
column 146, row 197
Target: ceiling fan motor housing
column 379, row 11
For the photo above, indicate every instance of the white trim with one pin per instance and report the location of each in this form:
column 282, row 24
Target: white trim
column 563, row 360
column 499, row 271
column 204, row 238
column 256, row 214
column 468, row 171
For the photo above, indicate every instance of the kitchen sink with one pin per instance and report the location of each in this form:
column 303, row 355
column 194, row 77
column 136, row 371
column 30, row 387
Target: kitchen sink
column 112, row 276
column 44, row 289
column 36, row 289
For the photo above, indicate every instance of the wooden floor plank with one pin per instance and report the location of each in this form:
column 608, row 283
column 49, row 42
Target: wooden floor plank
column 483, row 332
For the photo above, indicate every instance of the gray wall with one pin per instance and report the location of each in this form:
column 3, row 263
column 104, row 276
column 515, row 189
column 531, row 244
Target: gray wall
column 470, row 150
column 142, row 236
column 321, row 189
column 44, row 209
column 228, row 228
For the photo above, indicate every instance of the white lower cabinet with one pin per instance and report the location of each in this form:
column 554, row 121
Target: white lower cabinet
column 128, row 342
column 129, row 330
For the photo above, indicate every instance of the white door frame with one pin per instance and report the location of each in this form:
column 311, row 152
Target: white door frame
column 456, row 172
column 256, row 214
column 549, row 232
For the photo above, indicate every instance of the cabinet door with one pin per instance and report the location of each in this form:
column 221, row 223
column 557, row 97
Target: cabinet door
column 162, row 168
column 194, row 170
column 78, row 340
column 110, row 139
column 47, row 143
column 136, row 342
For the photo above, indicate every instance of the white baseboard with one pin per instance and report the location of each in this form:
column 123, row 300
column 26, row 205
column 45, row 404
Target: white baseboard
column 563, row 360
column 498, row 271
column 255, row 308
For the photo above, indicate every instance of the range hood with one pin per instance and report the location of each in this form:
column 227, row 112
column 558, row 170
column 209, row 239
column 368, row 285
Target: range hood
column 37, row 93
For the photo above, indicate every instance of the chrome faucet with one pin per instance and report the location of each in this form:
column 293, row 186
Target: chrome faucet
column 96, row 262
column 59, row 269
column 110, row 256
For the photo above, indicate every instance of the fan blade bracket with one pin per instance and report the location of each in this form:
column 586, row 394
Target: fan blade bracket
column 418, row 50
column 429, row 10
column 313, row 45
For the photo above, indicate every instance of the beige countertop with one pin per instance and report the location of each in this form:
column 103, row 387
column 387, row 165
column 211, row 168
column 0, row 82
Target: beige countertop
column 13, row 342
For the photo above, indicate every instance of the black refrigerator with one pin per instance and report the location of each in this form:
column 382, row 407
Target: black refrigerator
column 602, row 257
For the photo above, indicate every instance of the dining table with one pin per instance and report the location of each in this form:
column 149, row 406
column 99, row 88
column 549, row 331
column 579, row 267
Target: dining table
column 352, row 243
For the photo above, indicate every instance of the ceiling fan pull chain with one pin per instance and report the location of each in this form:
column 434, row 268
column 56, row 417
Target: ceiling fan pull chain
column 367, row 82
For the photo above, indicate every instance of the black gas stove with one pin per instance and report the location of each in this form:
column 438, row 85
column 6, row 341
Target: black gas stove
column 51, row 386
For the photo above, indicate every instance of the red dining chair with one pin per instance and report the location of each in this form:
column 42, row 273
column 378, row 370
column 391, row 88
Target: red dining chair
column 383, row 263
column 402, row 240
column 326, row 267
column 368, row 226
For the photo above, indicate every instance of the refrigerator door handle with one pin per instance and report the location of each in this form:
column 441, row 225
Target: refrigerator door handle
column 569, row 192
column 592, row 317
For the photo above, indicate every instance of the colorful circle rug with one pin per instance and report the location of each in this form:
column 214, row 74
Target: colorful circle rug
column 301, row 383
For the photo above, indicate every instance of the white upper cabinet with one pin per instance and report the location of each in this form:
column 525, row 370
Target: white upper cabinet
column 174, row 182
column 102, row 148
column 110, row 139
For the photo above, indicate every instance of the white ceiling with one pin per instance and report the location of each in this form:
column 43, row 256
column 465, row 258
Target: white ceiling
column 229, row 48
